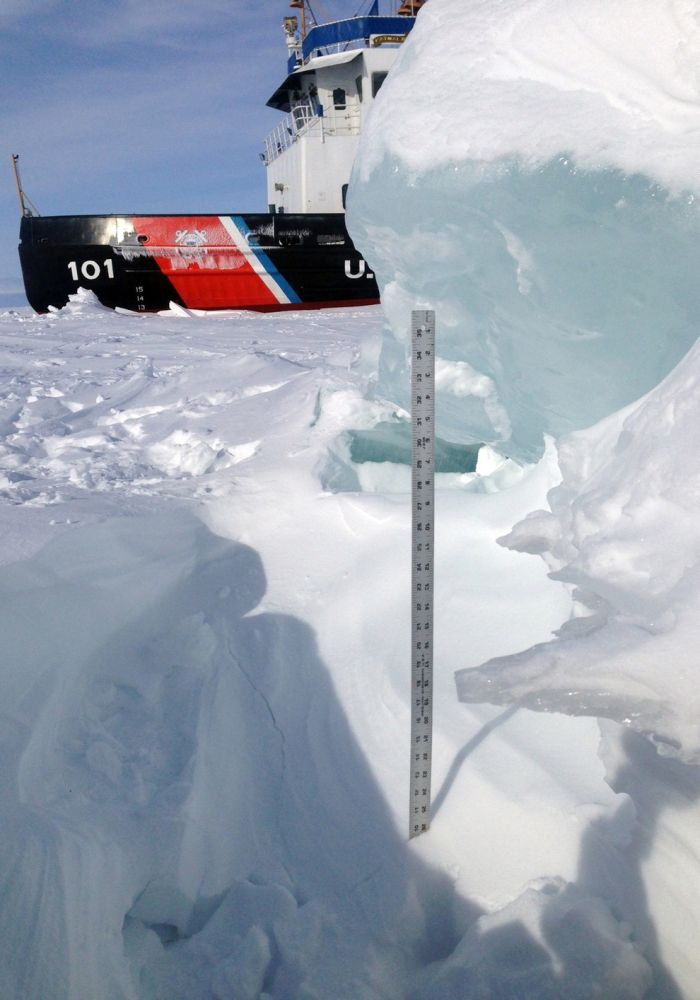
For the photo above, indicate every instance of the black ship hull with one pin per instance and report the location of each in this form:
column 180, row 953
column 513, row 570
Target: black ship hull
column 144, row 263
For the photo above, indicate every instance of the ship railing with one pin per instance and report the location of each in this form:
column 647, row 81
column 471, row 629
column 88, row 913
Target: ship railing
column 342, row 121
column 308, row 119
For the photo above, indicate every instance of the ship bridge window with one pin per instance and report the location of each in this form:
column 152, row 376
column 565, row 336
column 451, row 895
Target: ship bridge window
column 358, row 84
column 339, row 98
column 377, row 81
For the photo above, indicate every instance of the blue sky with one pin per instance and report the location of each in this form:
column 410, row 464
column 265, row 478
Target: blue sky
column 137, row 106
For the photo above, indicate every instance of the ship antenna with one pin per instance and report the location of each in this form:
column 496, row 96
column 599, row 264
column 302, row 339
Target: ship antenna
column 27, row 206
column 320, row 7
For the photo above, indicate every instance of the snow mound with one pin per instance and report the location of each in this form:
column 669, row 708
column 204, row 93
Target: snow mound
column 187, row 753
column 165, row 752
column 530, row 172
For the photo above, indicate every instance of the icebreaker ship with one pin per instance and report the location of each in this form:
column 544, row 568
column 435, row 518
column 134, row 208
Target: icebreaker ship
column 294, row 255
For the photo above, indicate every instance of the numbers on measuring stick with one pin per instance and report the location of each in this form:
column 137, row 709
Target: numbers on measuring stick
column 422, row 542
column 91, row 269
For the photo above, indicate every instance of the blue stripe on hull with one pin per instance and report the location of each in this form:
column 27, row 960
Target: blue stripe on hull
column 265, row 261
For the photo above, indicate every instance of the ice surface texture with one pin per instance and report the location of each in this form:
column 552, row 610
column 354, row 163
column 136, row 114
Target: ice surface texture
column 623, row 529
column 529, row 171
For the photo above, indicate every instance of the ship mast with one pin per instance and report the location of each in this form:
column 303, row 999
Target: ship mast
column 27, row 207
column 300, row 5
column 307, row 13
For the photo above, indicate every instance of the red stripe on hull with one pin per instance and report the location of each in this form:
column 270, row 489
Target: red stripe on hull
column 202, row 262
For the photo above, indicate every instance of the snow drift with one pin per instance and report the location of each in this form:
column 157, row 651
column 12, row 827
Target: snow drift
column 203, row 686
column 623, row 530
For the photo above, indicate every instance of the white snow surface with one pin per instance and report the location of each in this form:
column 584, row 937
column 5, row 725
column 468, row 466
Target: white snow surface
column 614, row 83
column 205, row 686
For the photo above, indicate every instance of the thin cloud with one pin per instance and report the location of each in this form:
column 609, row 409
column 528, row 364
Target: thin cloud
column 154, row 24
column 182, row 137
column 14, row 11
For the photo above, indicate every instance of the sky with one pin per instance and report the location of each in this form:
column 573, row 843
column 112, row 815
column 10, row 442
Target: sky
column 137, row 106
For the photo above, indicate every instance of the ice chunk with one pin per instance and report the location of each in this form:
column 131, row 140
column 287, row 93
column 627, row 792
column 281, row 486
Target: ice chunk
column 531, row 174
column 623, row 529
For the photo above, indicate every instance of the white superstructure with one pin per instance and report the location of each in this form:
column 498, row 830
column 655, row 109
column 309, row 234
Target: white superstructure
column 327, row 97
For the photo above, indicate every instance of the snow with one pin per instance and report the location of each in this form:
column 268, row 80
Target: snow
column 205, row 705
column 613, row 83
column 530, row 168
column 622, row 529
column 204, row 575
column 530, row 173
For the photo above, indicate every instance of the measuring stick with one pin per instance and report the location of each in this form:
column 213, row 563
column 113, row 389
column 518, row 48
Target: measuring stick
column 422, row 550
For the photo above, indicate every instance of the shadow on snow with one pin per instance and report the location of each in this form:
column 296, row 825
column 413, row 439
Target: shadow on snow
column 187, row 812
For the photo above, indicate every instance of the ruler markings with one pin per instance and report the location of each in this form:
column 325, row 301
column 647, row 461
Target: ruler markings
column 422, row 550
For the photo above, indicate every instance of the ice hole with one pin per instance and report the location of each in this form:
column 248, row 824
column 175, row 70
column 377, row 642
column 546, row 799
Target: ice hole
column 390, row 441
column 379, row 460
